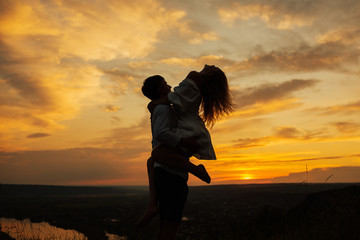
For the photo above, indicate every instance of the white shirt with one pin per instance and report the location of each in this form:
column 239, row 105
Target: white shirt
column 186, row 99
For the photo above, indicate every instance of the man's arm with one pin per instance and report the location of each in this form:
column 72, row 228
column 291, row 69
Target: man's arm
column 162, row 130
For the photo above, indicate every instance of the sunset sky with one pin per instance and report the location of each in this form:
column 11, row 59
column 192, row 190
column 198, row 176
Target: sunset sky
column 72, row 113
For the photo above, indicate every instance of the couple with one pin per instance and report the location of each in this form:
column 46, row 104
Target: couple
column 179, row 133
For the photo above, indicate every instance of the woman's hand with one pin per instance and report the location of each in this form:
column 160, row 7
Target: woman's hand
column 196, row 77
column 193, row 75
column 153, row 103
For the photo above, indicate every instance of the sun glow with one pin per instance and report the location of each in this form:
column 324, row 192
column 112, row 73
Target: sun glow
column 246, row 177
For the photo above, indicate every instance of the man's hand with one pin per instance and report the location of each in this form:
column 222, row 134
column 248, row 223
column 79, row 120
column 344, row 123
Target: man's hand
column 190, row 144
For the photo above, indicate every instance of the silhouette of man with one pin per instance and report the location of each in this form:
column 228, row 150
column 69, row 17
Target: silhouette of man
column 170, row 184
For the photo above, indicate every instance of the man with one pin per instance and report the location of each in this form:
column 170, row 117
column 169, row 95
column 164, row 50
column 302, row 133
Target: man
column 167, row 186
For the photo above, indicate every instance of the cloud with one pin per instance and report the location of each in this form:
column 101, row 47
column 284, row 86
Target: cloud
column 115, row 119
column 333, row 56
column 296, row 134
column 274, row 16
column 288, row 132
column 136, row 138
column 121, row 160
column 55, row 54
column 38, row 135
column 291, row 15
column 321, row 175
column 344, row 109
column 347, row 127
column 346, row 35
column 195, row 37
column 110, row 108
column 251, row 142
column 198, row 62
column 260, row 109
column 36, row 98
column 101, row 30
column 119, row 82
column 280, row 134
column 267, row 93
column 72, row 166
column 264, row 161
column 35, row 80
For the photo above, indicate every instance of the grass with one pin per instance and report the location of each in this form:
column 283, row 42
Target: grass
column 26, row 230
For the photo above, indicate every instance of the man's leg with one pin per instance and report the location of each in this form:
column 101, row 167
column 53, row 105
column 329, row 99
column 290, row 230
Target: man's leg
column 152, row 208
column 172, row 192
column 168, row 230
column 152, row 189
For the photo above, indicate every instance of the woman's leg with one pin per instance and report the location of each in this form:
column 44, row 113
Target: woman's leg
column 152, row 208
column 171, row 158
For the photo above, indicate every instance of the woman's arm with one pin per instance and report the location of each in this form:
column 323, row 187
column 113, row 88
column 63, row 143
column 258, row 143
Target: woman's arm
column 153, row 103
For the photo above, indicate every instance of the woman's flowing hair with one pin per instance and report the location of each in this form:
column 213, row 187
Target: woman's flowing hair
column 216, row 98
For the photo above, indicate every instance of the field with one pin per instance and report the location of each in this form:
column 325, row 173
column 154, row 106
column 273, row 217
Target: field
column 253, row 212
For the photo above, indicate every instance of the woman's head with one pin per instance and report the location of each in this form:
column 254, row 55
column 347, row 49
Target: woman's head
column 215, row 91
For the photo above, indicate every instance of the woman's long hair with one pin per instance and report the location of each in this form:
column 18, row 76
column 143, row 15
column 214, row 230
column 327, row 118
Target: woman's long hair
column 216, row 98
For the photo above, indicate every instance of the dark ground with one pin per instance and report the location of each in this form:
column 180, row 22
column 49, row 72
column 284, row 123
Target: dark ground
column 247, row 212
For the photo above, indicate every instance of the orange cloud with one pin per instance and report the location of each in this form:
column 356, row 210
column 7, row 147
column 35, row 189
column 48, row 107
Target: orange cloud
column 101, row 30
column 328, row 56
column 53, row 55
column 72, row 166
column 348, row 109
column 280, row 134
column 273, row 16
column 38, row 135
column 346, row 35
column 198, row 62
column 111, row 108
column 259, row 109
column 269, row 98
column 120, row 160
column 134, row 137
column 119, row 82
column 347, row 127
column 266, row 93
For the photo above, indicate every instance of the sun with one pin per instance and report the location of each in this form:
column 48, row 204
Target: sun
column 246, row 177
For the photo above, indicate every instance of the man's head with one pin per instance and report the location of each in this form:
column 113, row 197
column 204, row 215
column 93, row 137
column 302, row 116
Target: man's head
column 155, row 87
